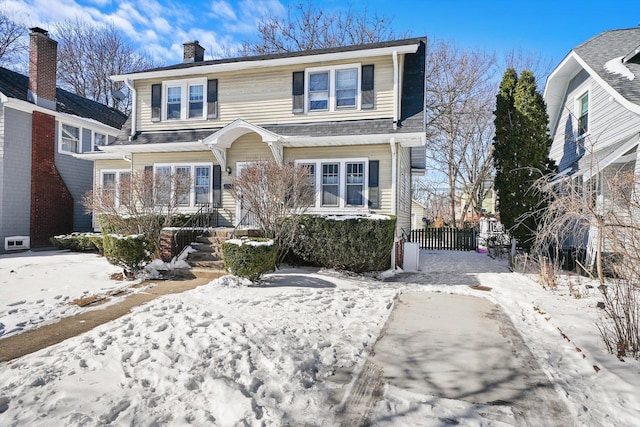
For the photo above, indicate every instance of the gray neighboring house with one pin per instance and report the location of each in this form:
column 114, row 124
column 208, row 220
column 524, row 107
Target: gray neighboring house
column 593, row 101
column 42, row 130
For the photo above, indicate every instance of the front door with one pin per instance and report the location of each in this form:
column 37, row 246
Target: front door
column 243, row 219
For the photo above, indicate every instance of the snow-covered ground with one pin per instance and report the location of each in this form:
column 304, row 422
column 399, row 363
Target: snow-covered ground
column 229, row 354
column 38, row 287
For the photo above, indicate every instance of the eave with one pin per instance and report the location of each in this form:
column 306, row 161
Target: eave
column 277, row 62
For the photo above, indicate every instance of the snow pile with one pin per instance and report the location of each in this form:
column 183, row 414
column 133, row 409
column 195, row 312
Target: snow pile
column 217, row 355
column 38, row 287
column 250, row 242
column 616, row 66
column 377, row 217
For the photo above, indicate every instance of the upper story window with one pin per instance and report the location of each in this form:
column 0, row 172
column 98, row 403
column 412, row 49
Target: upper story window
column 70, row 139
column 583, row 114
column 194, row 99
column 99, row 139
column 332, row 88
column 184, row 99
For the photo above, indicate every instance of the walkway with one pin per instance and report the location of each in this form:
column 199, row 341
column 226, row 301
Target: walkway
column 36, row 339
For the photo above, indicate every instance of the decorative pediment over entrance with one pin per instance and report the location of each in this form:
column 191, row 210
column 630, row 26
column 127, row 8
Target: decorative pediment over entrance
column 221, row 140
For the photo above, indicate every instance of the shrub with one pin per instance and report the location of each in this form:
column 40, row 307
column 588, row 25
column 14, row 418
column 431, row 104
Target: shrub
column 356, row 244
column 129, row 252
column 249, row 258
column 78, row 242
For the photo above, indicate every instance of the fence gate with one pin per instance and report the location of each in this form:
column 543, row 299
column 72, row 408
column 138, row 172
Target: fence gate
column 451, row 239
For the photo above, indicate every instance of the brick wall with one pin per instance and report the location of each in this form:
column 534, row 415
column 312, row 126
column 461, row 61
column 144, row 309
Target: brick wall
column 51, row 202
column 42, row 64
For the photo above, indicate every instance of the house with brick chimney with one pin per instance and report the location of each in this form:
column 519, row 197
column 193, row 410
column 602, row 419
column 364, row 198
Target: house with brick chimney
column 352, row 115
column 43, row 130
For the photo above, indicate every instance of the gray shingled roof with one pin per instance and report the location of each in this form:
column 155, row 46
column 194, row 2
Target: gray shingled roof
column 16, row 85
column 390, row 43
column 606, row 46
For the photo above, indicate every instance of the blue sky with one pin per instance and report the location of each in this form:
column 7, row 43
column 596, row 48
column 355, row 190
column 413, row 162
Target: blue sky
column 548, row 28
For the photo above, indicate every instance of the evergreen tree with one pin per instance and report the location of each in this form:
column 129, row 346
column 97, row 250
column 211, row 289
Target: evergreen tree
column 521, row 153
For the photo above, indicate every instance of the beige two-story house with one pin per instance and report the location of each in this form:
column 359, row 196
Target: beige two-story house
column 353, row 115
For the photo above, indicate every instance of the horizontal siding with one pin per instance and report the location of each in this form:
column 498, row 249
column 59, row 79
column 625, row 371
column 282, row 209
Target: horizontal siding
column 403, row 212
column 263, row 96
column 15, row 174
column 609, row 122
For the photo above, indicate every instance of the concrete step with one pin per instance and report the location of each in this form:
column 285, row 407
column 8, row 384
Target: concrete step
column 198, row 272
column 214, row 265
column 204, row 256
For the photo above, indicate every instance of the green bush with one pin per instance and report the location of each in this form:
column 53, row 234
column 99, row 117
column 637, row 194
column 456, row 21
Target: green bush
column 129, row 252
column 249, row 258
column 357, row 244
column 79, row 242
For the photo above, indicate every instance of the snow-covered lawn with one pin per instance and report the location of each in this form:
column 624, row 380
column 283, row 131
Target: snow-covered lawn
column 38, row 287
column 228, row 354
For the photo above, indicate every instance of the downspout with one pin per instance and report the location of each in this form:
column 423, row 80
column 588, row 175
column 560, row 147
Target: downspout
column 134, row 100
column 394, row 173
column 396, row 80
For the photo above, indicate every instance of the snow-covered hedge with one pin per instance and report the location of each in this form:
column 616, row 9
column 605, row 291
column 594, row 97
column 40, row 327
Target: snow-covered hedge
column 249, row 258
column 129, row 252
column 78, row 242
column 352, row 243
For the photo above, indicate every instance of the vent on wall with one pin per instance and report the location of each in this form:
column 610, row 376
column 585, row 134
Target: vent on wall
column 16, row 243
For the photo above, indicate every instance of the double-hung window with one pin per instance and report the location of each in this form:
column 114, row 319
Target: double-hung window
column 355, row 184
column 196, row 101
column 331, row 89
column 99, row 139
column 184, row 99
column 346, row 88
column 330, row 184
column 116, row 190
column 185, row 185
column 319, row 91
column 339, row 183
column 70, row 139
column 583, row 114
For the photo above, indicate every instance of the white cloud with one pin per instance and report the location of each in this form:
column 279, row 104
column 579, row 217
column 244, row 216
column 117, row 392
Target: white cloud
column 222, row 10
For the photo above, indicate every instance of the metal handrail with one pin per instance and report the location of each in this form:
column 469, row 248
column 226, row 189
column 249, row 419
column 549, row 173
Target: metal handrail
column 242, row 222
column 201, row 219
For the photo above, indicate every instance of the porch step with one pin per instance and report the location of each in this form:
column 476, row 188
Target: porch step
column 209, row 254
column 199, row 272
column 210, row 264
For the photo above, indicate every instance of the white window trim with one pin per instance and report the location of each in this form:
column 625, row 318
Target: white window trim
column 576, row 102
column 63, row 151
column 342, row 196
column 184, row 98
column 117, row 172
column 192, row 191
column 332, row 87
column 93, row 138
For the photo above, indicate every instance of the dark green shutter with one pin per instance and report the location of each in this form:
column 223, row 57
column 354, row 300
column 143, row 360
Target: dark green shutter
column 212, row 98
column 217, row 185
column 366, row 87
column 298, row 91
column 156, row 102
column 374, row 189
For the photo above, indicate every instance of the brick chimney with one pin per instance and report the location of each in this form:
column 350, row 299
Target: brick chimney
column 193, row 52
column 43, row 60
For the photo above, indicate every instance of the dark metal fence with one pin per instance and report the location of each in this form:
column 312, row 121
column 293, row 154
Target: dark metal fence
column 451, row 239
